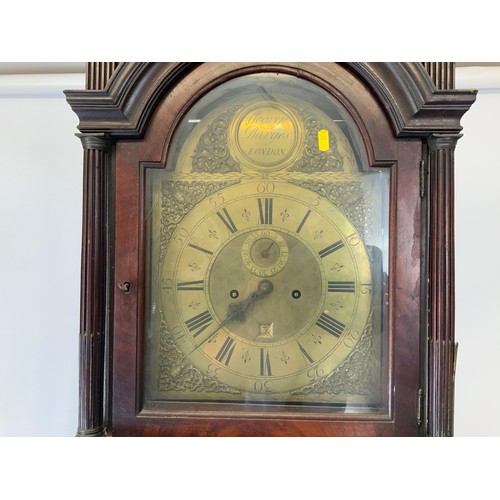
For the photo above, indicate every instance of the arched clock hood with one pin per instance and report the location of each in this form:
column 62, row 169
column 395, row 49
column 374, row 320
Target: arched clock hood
column 414, row 106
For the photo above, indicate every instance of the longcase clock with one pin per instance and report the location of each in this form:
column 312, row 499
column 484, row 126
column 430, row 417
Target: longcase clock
column 268, row 249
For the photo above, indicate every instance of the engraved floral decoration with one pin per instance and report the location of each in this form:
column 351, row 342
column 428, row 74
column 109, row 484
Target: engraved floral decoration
column 316, row 338
column 246, row 214
column 284, row 215
column 318, row 234
column 177, row 374
column 211, row 154
column 178, row 199
column 312, row 159
column 337, row 305
column 349, row 196
column 354, row 376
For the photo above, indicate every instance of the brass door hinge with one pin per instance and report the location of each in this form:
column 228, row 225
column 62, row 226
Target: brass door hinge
column 423, row 179
column 420, row 407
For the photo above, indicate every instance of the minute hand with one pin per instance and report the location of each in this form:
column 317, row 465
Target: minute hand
column 236, row 311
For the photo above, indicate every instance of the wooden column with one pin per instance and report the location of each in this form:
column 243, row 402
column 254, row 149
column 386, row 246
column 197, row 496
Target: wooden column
column 441, row 337
column 93, row 286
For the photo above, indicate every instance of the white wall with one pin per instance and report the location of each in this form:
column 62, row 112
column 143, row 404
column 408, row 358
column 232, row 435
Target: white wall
column 40, row 233
column 477, row 227
column 40, row 230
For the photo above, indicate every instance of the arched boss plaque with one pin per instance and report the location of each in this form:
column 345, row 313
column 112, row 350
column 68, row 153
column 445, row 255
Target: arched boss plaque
column 269, row 244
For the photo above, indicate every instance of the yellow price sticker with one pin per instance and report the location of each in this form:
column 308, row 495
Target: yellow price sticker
column 323, row 140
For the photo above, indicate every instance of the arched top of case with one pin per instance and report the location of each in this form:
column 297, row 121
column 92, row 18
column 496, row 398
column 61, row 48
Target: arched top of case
column 413, row 105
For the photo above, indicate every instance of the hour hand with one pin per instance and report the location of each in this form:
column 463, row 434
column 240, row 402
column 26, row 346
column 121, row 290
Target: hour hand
column 237, row 311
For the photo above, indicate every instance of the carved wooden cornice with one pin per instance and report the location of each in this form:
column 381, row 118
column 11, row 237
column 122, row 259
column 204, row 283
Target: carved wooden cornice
column 415, row 105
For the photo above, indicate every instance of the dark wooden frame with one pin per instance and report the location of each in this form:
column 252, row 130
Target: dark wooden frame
column 423, row 123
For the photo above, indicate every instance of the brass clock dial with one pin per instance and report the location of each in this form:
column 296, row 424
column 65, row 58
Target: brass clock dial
column 268, row 288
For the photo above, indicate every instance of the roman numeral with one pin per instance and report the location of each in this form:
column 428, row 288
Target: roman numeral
column 190, row 285
column 305, row 354
column 265, row 210
column 201, row 249
column 226, row 218
column 226, row 351
column 330, row 325
column 265, row 362
column 199, row 322
column 330, row 249
column 341, row 286
column 303, row 221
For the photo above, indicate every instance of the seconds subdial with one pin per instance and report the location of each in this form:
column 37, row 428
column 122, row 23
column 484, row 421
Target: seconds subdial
column 264, row 253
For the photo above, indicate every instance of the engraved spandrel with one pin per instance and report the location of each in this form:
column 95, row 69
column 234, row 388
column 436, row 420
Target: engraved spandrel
column 212, row 154
column 176, row 374
column 355, row 376
column 338, row 156
column 351, row 197
column 177, row 199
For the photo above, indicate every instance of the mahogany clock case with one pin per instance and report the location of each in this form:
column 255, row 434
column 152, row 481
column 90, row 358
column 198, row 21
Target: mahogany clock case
column 405, row 130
